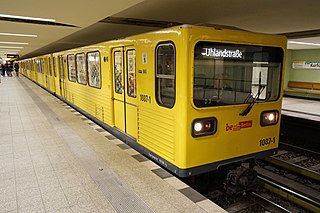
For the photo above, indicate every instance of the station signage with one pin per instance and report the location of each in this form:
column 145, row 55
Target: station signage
column 222, row 53
column 12, row 56
column 305, row 65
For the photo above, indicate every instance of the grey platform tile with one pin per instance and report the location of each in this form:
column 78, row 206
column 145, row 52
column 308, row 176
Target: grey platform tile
column 77, row 196
column 28, row 193
column 140, row 158
column 162, row 173
column 100, row 130
column 7, row 184
column 10, row 206
column 84, row 209
column 56, row 204
column 192, row 194
column 110, row 137
column 7, row 194
column 176, row 183
column 30, row 202
column 26, row 182
column 124, row 146
column 61, row 210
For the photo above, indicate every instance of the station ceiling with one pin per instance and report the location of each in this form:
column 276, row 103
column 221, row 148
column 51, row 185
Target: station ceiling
column 83, row 22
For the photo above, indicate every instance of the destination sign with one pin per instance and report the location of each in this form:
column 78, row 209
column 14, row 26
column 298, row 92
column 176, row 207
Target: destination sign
column 222, row 53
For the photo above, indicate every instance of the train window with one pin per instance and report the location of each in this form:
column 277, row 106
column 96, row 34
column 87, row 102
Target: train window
column 131, row 73
column 227, row 74
column 60, row 61
column 71, row 68
column 39, row 63
column 54, row 67
column 94, row 69
column 81, row 68
column 48, row 64
column 165, row 74
column 118, row 72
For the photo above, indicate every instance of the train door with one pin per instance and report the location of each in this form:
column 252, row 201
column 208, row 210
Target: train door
column 62, row 83
column 125, row 90
column 47, row 73
column 56, row 76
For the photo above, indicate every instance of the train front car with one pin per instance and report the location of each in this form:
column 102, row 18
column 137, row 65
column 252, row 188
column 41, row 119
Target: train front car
column 235, row 90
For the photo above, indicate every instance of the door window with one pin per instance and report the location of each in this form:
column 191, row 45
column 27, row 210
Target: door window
column 118, row 72
column 131, row 70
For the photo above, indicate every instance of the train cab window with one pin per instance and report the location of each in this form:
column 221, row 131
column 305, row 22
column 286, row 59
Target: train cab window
column 165, row 74
column 71, row 68
column 131, row 73
column 94, row 69
column 81, row 68
column 228, row 74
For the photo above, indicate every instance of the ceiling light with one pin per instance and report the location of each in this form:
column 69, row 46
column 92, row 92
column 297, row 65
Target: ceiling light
column 7, row 50
column 11, row 47
column 9, row 42
column 16, row 34
column 27, row 18
column 303, row 43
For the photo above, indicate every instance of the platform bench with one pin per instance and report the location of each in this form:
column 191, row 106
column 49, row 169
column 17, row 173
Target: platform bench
column 303, row 87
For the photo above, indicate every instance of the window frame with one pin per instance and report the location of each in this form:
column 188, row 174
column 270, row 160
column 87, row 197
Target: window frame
column 114, row 72
column 278, row 52
column 157, row 91
column 69, row 73
column 135, row 73
column 88, row 72
column 85, row 68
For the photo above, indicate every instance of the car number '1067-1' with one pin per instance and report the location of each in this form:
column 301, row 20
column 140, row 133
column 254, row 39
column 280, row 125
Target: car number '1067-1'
column 267, row 141
column 145, row 98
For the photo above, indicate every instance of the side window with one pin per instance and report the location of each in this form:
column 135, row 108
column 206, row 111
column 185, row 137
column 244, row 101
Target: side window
column 60, row 58
column 54, row 67
column 81, row 68
column 71, row 68
column 94, row 69
column 48, row 64
column 118, row 72
column 165, row 74
column 131, row 73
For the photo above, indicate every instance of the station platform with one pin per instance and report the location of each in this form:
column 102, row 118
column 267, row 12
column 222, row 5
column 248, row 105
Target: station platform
column 53, row 159
column 301, row 108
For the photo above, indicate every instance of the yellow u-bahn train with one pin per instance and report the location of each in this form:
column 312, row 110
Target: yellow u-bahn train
column 190, row 98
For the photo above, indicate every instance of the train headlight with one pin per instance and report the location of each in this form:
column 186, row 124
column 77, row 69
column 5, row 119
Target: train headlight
column 269, row 118
column 204, row 126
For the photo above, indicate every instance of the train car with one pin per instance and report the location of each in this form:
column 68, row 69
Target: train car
column 190, row 98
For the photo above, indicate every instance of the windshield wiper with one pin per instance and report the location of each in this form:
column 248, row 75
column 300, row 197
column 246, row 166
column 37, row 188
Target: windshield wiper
column 249, row 107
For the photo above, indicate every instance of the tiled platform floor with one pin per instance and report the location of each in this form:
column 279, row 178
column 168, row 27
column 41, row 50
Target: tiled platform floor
column 303, row 108
column 52, row 159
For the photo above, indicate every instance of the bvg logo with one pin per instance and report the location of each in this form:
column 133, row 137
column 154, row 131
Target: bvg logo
column 239, row 126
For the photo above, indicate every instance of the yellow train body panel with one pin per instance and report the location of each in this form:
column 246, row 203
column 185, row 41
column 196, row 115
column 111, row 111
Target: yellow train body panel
column 158, row 107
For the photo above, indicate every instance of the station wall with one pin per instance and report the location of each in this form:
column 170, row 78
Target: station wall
column 304, row 75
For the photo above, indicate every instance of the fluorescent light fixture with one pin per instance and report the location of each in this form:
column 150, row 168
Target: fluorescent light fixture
column 27, row 18
column 11, row 47
column 6, row 50
column 303, row 43
column 9, row 42
column 16, row 34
